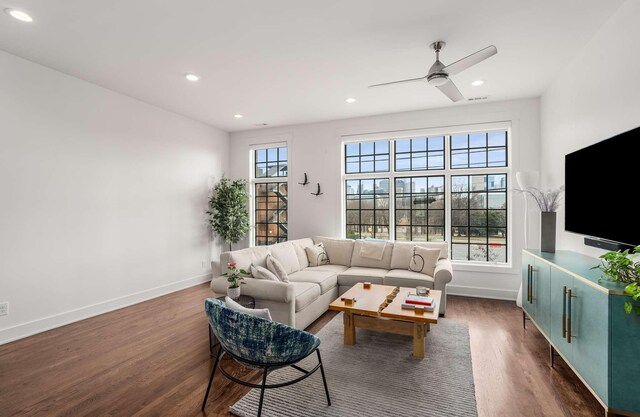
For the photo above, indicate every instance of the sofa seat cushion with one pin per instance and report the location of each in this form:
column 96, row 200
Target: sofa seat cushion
column 336, row 269
column 305, row 293
column 405, row 278
column 355, row 274
column 325, row 279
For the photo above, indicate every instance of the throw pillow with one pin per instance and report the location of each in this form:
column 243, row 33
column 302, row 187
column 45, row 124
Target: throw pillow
column 317, row 255
column 277, row 268
column 424, row 260
column 261, row 272
column 263, row 313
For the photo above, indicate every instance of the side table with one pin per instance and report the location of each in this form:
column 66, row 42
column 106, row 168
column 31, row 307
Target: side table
column 244, row 301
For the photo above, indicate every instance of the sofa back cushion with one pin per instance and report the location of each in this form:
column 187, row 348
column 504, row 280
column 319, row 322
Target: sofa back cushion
column 299, row 245
column 358, row 260
column 403, row 251
column 338, row 250
column 244, row 258
column 285, row 253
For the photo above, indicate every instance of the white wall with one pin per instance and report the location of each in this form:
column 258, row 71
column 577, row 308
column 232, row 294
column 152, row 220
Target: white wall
column 316, row 150
column 101, row 198
column 596, row 97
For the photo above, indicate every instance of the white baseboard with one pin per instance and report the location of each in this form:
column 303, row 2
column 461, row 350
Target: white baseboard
column 51, row 322
column 481, row 292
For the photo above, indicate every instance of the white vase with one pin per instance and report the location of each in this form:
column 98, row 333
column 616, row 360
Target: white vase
column 233, row 293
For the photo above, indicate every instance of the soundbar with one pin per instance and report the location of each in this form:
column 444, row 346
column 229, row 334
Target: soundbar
column 607, row 244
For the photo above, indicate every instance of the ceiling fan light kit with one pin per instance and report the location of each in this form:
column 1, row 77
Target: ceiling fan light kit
column 439, row 73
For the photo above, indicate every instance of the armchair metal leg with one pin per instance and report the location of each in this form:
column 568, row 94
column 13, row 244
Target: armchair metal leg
column 264, row 382
column 324, row 379
column 213, row 372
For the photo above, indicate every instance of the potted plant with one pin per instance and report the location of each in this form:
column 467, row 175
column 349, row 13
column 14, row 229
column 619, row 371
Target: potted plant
column 235, row 277
column 228, row 213
column 620, row 267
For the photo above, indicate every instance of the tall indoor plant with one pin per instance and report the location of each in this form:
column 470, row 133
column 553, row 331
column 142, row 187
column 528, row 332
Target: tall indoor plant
column 620, row 267
column 228, row 213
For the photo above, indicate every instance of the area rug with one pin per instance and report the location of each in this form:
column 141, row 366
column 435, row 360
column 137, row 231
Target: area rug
column 377, row 377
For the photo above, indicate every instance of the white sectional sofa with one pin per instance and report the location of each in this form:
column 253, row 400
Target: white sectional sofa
column 311, row 289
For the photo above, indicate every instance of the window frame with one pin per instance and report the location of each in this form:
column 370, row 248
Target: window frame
column 265, row 180
column 447, row 172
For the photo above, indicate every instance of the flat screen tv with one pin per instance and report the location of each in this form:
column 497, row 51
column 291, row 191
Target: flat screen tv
column 601, row 189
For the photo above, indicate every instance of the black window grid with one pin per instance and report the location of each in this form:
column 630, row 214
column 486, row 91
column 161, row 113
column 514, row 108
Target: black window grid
column 376, row 158
column 469, row 150
column 268, row 210
column 374, row 227
column 413, row 198
column 486, row 246
column 280, row 163
column 411, row 154
column 503, row 212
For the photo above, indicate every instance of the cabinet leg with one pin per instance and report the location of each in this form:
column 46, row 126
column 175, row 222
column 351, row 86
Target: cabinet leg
column 552, row 355
column 524, row 320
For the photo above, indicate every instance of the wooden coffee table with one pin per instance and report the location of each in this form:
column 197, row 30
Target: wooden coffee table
column 364, row 313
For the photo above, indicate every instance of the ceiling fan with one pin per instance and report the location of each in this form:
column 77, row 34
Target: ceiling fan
column 439, row 73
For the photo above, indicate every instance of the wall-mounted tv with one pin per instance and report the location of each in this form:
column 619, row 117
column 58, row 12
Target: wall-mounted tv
column 601, row 189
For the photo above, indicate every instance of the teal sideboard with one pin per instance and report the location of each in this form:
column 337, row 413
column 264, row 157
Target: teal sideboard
column 584, row 321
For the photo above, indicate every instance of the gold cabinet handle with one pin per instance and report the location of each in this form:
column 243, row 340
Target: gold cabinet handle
column 569, row 297
column 564, row 312
column 529, row 284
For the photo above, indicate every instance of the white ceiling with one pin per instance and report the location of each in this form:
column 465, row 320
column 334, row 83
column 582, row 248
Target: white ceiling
column 296, row 61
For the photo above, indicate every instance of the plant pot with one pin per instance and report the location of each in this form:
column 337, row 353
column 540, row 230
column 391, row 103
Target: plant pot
column 548, row 231
column 233, row 293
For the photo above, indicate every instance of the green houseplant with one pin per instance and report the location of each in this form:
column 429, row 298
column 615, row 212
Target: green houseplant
column 235, row 277
column 228, row 213
column 621, row 267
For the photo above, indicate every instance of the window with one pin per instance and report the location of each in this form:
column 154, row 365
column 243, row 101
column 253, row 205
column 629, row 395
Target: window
column 271, row 213
column 270, row 195
column 420, row 153
column 368, row 208
column 479, row 217
column 420, row 208
column 479, row 150
column 367, row 157
column 271, row 163
column 448, row 187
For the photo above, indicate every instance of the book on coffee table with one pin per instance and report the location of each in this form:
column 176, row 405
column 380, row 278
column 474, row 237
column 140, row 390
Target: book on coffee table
column 408, row 306
column 419, row 300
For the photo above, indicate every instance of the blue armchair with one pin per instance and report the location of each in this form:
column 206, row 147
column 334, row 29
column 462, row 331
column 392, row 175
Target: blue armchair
column 259, row 343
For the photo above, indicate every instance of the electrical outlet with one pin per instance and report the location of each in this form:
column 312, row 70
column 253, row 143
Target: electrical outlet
column 4, row 308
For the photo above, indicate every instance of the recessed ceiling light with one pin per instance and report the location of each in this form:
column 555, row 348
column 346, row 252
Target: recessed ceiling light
column 192, row 77
column 20, row 15
column 477, row 83
column 238, row 116
column 350, row 100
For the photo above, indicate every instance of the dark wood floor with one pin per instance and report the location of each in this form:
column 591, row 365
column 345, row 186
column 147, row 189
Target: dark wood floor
column 152, row 359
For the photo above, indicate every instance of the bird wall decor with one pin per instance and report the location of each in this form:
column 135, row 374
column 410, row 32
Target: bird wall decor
column 305, row 181
column 317, row 193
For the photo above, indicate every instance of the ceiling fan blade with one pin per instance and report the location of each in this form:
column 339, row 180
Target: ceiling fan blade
column 470, row 60
column 450, row 90
column 398, row 82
